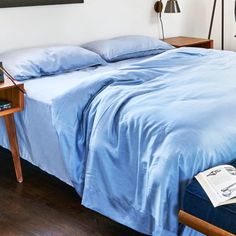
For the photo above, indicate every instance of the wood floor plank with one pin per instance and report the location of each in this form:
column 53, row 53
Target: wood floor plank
column 45, row 206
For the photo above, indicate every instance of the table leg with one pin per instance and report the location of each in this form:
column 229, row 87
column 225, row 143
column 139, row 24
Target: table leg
column 11, row 130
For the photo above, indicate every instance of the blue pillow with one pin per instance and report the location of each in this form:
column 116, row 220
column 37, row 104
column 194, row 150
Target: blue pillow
column 125, row 47
column 31, row 63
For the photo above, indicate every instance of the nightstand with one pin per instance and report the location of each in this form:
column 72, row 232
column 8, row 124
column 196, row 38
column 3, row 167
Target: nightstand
column 189, row 42
column 9, row 92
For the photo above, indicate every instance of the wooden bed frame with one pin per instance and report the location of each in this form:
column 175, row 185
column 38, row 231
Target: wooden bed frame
column 23, row 3
column 201, row 225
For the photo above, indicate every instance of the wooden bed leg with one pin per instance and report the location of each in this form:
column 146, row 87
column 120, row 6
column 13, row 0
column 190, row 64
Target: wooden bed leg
column 11, row 131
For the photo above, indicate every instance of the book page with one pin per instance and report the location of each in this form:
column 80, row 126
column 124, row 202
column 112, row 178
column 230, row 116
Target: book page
column 219, row 183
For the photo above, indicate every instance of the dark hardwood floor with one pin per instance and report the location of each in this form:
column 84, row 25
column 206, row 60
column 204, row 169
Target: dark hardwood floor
column 45, row 206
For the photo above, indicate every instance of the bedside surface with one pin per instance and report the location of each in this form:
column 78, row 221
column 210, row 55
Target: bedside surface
column 182, row 41
column 8, row 84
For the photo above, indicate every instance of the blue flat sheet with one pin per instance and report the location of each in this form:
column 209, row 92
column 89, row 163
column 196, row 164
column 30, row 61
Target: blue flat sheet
column 133, row 139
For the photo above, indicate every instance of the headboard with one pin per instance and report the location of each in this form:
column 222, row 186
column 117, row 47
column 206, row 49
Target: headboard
column 22, row 3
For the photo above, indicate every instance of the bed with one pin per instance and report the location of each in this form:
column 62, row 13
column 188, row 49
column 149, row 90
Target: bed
column 129, row 136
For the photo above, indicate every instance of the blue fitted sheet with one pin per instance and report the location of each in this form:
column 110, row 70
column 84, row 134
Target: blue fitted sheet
column 133, row 139
column 37, row 137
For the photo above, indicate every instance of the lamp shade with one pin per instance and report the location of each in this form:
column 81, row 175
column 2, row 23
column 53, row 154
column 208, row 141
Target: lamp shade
column 172, row 6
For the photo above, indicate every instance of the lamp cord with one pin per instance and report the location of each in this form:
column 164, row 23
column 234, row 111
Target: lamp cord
column 12, row 79
column 162, row 27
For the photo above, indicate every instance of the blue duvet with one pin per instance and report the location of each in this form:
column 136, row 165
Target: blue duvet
column 134, row 138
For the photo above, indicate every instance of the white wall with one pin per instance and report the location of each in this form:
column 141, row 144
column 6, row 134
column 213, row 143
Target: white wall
column 76, row 23
column 195, row 21
column 95, row 19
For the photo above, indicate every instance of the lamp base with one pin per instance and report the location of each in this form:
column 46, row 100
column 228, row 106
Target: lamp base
column 158, row 7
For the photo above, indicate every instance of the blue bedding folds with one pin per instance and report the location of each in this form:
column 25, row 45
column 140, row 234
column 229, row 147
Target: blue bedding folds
column 134, row 138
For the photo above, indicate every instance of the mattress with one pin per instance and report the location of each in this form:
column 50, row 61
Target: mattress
column 37, row 137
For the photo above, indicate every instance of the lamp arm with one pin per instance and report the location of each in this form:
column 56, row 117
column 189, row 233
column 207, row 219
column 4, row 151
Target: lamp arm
column 158, row 7
column 223, row 24
column 212, row 19
column 235, row 10
column 162, row 27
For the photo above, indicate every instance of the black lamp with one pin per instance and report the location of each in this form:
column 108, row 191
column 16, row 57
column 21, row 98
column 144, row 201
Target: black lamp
column 172, row 6
column 222, row 21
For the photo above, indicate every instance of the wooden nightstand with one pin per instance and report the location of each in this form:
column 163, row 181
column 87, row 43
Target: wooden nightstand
column 9, row 92
column 189, row 42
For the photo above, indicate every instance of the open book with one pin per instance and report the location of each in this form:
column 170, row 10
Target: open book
column 219, row 183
